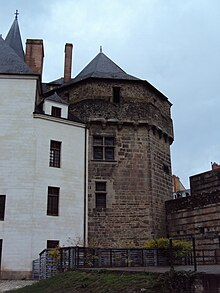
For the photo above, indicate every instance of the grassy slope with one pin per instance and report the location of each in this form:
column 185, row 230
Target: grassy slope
column 94, row 282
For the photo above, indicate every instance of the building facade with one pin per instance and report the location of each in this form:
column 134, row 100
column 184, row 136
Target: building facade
column 198, row 215
column 129, row 167
column 42, row 167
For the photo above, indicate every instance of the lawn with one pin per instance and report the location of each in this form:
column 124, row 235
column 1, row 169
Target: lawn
column 100, row 281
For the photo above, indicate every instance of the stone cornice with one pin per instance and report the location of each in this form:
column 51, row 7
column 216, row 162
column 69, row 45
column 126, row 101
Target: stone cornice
column 135, row 124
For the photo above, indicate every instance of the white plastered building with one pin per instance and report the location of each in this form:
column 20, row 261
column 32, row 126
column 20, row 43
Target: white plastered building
column 42, row 167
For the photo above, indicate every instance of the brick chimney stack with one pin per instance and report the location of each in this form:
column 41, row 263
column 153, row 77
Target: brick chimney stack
column 34, row 55
column 68, row 62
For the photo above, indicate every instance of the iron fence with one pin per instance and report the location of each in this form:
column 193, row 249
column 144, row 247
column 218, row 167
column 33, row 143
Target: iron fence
column 69, row 258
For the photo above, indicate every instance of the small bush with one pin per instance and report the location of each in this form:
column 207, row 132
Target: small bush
column 180, row 248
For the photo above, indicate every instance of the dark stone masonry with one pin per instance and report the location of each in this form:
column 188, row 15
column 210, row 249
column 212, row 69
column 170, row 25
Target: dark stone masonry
column 129, row 168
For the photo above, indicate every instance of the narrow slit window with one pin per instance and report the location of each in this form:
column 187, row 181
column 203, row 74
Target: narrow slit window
column 116, row 95
column 2, row 207
column 100, row 194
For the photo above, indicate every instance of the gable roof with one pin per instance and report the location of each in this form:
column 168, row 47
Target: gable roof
column 13, row 39
column 103, row 67
column 55, row 98
column 10, row 62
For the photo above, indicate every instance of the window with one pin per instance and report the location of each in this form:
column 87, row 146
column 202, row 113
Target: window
column 166, row 169
column 100, row 194
column 116, row 95
column 56, row 112
column 2, row 207
column 53, row 201
column 103, row 148
column 52, row 243
column 55, row 151
column 0, row 252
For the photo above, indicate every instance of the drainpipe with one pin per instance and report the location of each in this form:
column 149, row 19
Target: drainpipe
column 85, row 236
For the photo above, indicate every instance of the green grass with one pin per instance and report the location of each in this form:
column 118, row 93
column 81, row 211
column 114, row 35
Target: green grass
column 101, row 281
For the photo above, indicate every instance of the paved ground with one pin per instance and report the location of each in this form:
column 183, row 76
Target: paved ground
column 6, row 285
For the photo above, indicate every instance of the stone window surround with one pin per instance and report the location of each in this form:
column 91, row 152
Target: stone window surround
column 103, row 136
column 110, row 193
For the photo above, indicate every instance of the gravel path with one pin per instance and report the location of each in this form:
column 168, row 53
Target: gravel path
column 6, row 285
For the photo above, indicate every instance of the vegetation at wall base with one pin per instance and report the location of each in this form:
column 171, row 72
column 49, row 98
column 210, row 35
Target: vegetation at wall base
column 177, row 281
column 103, row 281
column 95, row 281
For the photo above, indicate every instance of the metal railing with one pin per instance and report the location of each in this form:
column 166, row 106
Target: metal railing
column 68, row 258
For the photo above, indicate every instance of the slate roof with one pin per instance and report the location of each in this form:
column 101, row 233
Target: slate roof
column 13, row 39
column 103, row 67
column 10, row 62
column 56, row 98
column 58, row 81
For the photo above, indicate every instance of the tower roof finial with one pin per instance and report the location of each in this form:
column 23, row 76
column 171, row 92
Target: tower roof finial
column 16, row 14
column 100, row 49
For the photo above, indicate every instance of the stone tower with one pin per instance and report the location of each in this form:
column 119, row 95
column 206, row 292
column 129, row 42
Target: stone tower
column 129, row 168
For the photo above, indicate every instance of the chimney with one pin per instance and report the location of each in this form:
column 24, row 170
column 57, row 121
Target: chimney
column 215, row 166
column 34, row 55
column 68, row 62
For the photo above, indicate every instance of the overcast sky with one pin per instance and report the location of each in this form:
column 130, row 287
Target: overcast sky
column 173, row 44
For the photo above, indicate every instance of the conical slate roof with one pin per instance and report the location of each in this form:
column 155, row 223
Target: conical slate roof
column 13, row 39
column 10, row 62
column 103, row 67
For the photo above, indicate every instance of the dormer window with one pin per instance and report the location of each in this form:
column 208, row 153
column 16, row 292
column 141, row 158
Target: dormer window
column 56, row 112
column 116, row 95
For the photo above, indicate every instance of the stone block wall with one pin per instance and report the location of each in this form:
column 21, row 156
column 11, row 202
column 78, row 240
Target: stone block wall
column 137, row 187
column 198, row 216
column 138, row 181
column 205, row 182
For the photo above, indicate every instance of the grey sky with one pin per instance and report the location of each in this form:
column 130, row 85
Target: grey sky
column 173, row 44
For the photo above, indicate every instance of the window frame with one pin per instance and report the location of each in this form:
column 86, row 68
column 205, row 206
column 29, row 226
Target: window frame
column 103, row 151
column 100, row 194
column 1, row 248
column 53, row 201
column 56, row 111
column 2, row 206
column 55, row 154
column 53, row 244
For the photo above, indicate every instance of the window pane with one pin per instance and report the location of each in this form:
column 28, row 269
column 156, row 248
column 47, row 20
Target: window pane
column 109, row 141
column 56, row 112
column 109, row 153
column 100, row 200
column 55, row 151
column 116, row 94
column 97, row 140
column 2, row 207
column 53, row 201
column 100, row 186
column 52, row 243
column 98, row 153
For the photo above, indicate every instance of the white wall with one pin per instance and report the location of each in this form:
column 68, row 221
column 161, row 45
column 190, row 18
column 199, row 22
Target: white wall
column 25, row 176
